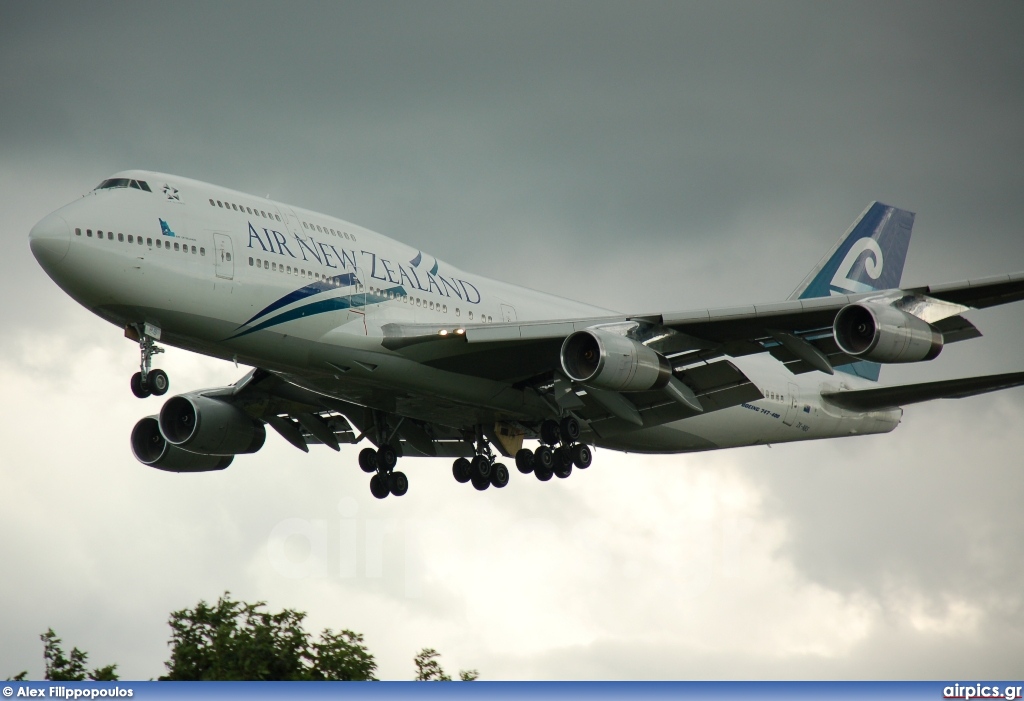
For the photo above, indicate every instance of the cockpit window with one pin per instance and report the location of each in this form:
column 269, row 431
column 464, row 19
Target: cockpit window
column 111, row 183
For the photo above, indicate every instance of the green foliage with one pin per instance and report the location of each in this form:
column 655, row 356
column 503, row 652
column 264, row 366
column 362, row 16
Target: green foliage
column 428, row 668
column 71, row 668
column 19, row 677
column 233, row 640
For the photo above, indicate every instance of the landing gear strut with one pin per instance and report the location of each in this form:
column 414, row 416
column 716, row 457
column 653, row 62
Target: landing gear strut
column 558, row 452
column 482, row 470
column 148, row 381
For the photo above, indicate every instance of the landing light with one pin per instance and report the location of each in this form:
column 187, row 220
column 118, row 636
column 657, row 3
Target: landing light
column 460, row 332
column 442, row 332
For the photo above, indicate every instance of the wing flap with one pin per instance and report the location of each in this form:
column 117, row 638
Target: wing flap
column 900, row 395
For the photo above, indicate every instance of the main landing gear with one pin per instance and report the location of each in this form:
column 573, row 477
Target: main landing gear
column 482, row 470
column 148, row 381
column 382, row 463
column 558, row 452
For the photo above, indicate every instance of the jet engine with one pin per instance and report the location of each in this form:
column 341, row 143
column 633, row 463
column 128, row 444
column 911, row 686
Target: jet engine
column 608, row 361
column 885, row 335
column 209, row 426
column 151, row 449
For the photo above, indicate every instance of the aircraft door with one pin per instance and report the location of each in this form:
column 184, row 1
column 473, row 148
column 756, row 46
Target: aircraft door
column 223, row 256
column 508, row 313
column 791, row 403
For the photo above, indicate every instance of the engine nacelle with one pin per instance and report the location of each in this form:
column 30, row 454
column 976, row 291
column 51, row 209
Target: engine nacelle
column 608, row 361
column 151, row 449
column 883, row 334
column 209, row 426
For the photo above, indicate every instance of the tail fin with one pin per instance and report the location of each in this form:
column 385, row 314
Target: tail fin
column 869, row 256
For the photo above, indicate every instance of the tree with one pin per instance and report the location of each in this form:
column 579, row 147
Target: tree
column 70, row 669
column 428, row 668
column 233, row 640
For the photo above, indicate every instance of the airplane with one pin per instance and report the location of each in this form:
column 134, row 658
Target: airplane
column 353, row 337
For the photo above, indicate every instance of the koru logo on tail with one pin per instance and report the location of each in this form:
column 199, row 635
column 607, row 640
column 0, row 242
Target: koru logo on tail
column 873, row 264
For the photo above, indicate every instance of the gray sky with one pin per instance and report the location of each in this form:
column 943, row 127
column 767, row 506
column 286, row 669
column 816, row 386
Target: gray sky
column 644, row 156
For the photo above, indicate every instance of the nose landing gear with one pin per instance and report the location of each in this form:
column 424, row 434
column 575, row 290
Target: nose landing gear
column 147, row 381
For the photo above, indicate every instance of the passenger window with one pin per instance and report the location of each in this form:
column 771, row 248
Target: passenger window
column 202, row 251
column 131, row 239
column 277, row 217
column 140, row 240
column 175, row 246
column 219, row 203
column 88, row 232
column 212, row 204
column 289, row 270
column 263, row 213
column 120, row 238
column 78, row 232
column 251, row 263
column 110, row 236
column 227, row 256
column 193, row 250
column 471, row 316
column 159, row 243
column 444, row 309
column 305, row 225
column 234, row 207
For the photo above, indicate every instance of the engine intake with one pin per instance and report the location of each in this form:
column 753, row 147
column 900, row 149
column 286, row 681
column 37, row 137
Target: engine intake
column 150, row 448
column 210, row 426
column 608, row 361
column 883, row 334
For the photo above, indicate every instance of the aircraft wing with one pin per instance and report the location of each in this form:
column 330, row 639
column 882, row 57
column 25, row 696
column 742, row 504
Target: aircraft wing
column 891, row 397
column 797, row 332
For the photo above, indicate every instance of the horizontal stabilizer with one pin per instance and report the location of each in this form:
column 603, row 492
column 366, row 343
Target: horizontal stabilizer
column 891, row 397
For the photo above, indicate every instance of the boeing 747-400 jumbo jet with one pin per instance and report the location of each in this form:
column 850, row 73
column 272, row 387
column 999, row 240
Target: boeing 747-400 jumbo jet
column 354, row 336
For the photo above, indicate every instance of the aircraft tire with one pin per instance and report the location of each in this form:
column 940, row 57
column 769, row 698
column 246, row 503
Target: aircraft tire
column 368, row 460
column 387, row 458
column 499, row 475
column 481, row 483
column 481, row 467
column 544, row 458
column 549, row 432
column 379, row 486
column 582, row 456
column 398, row 483
column 462, row 470
column 157, row 382
column 137, row 389
column 569, row 429
column 543, row 473
column 563, row 471
column 524, row 461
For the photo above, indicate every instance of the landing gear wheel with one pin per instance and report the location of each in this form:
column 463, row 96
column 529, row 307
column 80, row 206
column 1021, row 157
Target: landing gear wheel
column 462, row 470
column 398, row 483
column 387, row 458
column 157, row 382
column 570, row 429
column 543, row 473
column 524, row 461
column 544, row 458
column 368, row 460
column 379, row 486
column 499, row 475
column 581, row 456
column 481, row 483
column 563, row 463
column 481, row 468
column 137, row 389
column 549, row 432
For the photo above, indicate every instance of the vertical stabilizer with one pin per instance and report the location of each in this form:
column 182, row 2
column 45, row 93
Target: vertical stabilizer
column 868, row 257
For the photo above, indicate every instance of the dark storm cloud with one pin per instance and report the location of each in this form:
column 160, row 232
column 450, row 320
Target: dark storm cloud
column 652, row 156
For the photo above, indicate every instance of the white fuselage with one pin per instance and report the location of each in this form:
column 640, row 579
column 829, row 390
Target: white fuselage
column 300, row 293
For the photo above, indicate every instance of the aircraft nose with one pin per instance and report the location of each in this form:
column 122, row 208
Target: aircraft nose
column 50, row 240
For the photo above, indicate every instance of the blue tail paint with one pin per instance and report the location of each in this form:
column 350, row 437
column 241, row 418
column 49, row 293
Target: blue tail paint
column 868, row 257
